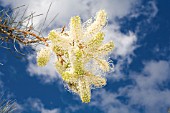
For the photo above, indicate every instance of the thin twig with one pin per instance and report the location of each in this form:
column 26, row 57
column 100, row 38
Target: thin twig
column 46, row 17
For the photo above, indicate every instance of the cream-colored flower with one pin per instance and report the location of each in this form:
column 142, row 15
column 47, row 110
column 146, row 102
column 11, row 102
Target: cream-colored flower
column 43, row 56
column 74, row 49
column 104, row 65
column 84, row 89
column 97, row 81
column 105, row 49
column 97, row 25
column 95, row 42
column 58, row 39
column 75, row 28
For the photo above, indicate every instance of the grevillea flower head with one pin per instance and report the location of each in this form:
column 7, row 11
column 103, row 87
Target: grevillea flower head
column 75, row 49
column 97, row 25
column 75, row 28
column 84, row 89
column 43, row 56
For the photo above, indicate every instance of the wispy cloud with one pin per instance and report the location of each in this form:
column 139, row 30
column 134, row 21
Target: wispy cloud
column 35, row 105
column 108, row 103
column 67, row 9
column 148, row 9
column 150, row 87
column 148, row 92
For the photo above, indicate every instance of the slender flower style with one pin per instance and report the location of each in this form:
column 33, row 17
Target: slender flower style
column 74, row 50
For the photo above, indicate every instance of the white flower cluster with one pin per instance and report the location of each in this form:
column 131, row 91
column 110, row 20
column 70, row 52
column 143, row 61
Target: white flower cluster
column 74, row 49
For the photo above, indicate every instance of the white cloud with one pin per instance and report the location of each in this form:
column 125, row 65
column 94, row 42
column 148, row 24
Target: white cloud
column 108, row 102
column 114, row 8
column 124, row 43
column 36, row 105
column 149, row 10
column 67, row 8
column 148, row 91
column 158, row 73
column 153, row 8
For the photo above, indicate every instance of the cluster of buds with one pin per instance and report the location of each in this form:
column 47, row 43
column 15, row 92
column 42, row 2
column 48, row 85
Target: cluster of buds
column 74, row 49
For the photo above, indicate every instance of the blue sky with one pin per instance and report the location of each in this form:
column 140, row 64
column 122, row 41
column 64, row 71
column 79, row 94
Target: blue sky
column 140, row 82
